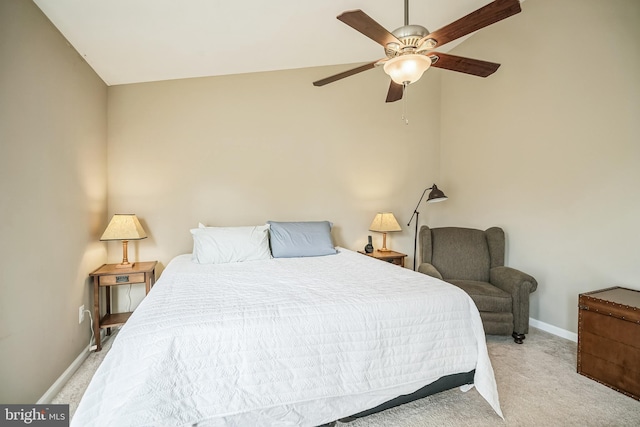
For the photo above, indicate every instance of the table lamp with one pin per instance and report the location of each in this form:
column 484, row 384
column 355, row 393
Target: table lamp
column 383, row 223
column 124, row 227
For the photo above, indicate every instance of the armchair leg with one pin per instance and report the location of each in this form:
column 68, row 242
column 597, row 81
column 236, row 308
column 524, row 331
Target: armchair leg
column 518, row 338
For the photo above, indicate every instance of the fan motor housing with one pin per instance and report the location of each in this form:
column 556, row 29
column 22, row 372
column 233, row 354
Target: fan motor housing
column 410, row 36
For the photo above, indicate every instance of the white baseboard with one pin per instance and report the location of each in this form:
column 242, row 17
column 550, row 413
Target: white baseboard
column 55, row 388
column 48, row 396
column 563, row 333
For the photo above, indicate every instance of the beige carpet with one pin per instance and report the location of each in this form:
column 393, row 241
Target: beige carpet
column 537, row 382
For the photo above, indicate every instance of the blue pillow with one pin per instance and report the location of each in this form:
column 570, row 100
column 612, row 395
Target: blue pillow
column 300, row 239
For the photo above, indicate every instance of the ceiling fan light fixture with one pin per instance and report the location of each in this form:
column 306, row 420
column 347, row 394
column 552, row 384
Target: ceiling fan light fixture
column 407, row 68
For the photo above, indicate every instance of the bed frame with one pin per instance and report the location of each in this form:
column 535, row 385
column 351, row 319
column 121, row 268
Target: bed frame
column 442, row 384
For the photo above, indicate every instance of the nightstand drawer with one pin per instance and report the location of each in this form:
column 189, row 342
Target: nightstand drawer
column 122, row 279
column 391, row 257
column 396, row 261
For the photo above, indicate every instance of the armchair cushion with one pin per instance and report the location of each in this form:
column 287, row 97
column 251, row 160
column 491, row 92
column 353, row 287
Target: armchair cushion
column 486, row 296
column 460, row 253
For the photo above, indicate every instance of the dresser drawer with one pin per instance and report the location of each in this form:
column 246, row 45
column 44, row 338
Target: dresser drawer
column 121, row 279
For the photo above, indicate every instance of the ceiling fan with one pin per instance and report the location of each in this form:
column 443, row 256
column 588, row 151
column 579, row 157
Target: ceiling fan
column 409, row 49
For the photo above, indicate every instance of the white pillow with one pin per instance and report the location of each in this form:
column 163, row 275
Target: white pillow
column 219, row 245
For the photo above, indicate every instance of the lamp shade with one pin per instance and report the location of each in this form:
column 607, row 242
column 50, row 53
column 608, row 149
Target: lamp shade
column 436, row 195
column 407, row 68
column 384, row 222
column 124, row 227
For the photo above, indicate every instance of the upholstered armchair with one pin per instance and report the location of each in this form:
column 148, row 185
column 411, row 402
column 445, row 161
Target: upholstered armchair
column 474, row 261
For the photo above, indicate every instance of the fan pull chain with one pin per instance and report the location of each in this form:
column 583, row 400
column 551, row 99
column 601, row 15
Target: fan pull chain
column 404, row 103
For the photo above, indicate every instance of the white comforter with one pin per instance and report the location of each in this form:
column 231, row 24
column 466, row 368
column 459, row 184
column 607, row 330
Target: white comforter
column 298, row 342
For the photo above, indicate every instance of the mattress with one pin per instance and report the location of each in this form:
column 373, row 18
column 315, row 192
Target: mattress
column 286, row 341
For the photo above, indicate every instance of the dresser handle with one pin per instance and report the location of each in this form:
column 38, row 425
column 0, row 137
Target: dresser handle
column 122, row 279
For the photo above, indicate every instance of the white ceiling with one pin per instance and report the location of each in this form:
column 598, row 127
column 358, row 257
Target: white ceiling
column 131, row 41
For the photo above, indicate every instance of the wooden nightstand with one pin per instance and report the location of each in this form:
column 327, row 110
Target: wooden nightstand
column 396, row 258
column 105, row 277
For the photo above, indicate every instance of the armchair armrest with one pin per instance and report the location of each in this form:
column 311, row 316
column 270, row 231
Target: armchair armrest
column 508, row 279
column 519, row 285
column 429, row 270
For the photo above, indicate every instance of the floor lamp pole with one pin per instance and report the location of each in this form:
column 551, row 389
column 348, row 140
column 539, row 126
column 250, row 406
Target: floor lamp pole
column 415, row 241
column 436, row 195
column 415, row 235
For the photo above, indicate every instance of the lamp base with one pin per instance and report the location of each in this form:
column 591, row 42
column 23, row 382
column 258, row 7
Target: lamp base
column 125, row 256
column 384, row 244
column 124, row 266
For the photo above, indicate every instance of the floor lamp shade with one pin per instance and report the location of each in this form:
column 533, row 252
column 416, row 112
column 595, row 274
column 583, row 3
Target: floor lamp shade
column 384, row 222
column 436, row 195
column 124, row 227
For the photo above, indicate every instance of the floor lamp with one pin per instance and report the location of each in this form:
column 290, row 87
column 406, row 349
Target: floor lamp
column 436, row 195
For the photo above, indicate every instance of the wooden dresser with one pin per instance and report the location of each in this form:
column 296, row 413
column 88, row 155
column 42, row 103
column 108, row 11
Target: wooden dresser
column 609, row 338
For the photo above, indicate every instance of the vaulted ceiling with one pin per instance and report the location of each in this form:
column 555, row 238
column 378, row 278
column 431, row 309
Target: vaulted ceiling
column 131, row 41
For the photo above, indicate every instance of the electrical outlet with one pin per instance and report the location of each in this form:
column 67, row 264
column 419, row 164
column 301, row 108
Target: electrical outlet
column 81, row 314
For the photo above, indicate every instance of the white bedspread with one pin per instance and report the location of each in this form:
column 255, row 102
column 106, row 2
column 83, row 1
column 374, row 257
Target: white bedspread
column 286, row 342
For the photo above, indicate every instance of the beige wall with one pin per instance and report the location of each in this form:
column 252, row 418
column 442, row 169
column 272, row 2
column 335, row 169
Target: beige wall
column 53, row 190
column 546, row 148
column 549, row 147
column 244, row 149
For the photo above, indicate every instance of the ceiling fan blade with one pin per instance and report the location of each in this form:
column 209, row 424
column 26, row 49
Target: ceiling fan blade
column 485, row 16
column 461, row 64
column 344, row 74
column 395, row 92
column 360, row 21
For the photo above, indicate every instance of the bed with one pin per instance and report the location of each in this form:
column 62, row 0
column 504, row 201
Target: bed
column 298, row 341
